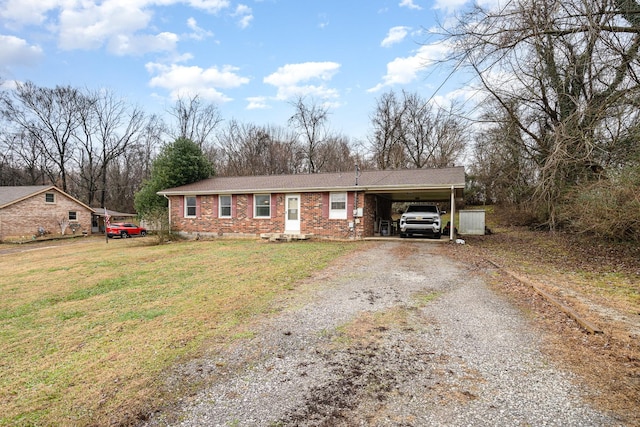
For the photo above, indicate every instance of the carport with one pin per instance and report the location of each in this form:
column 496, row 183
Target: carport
column 98, row 218
column 437, row 186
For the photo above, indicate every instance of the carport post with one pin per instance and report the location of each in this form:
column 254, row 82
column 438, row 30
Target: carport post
column 453, row 213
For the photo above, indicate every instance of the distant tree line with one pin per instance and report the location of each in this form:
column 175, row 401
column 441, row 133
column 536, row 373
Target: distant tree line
column 99, row 148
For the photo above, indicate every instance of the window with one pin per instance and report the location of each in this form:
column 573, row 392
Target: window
column 73, row 216
column 225, row 206
column 190, row 206
column 338, row 206
column 49, row 198
column 262, row 206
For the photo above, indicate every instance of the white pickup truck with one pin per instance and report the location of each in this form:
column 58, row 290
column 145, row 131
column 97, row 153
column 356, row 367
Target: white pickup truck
column 421, row 219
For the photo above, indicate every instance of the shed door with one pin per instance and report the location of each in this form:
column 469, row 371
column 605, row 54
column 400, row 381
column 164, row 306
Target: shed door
column 292, row 214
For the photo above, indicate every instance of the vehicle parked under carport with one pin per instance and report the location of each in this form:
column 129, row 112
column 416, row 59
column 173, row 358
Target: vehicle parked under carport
column 422, row 220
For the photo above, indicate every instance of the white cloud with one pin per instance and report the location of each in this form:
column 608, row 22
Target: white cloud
column 324, row 21
column 27, row 12
column 457, row 96
column 245, row 21
column 449, row 5
column 295, row 79
column 211, row 6
column 139, row 45
column 410, row 4
column 257, row 103
column 406, row 70
column 292, row 74
column 198, row 33
column 16, row 51
column 94, row 25
column 244, row 13
column 119, row 24
column 395, row 35
column 191, row 80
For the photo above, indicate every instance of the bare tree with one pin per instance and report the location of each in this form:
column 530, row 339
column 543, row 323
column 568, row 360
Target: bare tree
column 571, row 68
column 416, row 130
column 24, row 157
column 449, row 137
column 337, row 155
column 128, row 171
column 386, row 122
column 310, row 121
column 195, row 120
column 47, row 117
column 500, row 167
column 109, row 127
column 247, row 149
column 412, row 133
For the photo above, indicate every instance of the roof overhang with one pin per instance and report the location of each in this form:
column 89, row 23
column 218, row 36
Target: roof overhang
column 394, row 193
column 421, row 195
column 396, row 185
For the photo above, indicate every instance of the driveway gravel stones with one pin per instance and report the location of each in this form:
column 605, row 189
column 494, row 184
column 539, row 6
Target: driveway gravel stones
column 392, row 336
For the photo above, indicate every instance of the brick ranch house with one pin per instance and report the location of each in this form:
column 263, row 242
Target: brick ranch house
column 26, row 211
column 328, row 205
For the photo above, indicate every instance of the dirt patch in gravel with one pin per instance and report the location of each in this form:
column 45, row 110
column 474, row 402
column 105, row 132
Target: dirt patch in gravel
column 608, row 363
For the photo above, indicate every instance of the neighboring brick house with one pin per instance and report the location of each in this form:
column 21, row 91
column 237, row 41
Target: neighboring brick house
column 330, row 205
column 27, row 211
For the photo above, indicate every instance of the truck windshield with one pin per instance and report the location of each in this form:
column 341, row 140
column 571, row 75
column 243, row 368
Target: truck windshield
column 422, row 208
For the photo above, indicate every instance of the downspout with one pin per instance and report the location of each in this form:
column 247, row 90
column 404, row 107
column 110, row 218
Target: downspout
column 169, row 210
column 453, row 213
column 355, row 214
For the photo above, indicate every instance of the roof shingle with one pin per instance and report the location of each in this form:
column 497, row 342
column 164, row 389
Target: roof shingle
column 367, row 180
column 11, row 194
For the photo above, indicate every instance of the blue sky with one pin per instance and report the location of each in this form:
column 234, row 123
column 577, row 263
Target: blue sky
column 251, row 58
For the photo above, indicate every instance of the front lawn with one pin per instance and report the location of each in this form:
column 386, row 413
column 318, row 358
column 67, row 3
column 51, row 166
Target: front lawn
column 89, row 330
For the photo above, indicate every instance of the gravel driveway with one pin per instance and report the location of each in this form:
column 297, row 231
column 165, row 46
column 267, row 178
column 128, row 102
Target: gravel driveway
column 393, row 336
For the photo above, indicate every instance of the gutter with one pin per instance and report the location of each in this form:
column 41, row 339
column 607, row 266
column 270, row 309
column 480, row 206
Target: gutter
column 372, row 188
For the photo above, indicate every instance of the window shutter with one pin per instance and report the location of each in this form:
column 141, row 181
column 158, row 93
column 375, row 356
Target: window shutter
column 325, row 205
column 198, row 201
column 182, row 206
column 214, row 206
column 249, row 205
column 234, row 201
column 273, row 205
column 350, row 204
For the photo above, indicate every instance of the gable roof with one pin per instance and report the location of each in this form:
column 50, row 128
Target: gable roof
column 404, row 180
column 10, row 195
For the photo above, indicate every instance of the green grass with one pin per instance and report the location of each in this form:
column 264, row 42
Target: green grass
column 90, row 329
column 423, row 299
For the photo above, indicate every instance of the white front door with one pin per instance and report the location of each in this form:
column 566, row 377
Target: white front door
column 292, row 214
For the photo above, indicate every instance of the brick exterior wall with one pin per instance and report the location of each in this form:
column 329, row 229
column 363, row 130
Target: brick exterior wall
column 314, row 217
column 23, row 218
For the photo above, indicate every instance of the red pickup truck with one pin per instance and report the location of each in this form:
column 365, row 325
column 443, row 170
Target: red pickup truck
column 125, row 229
